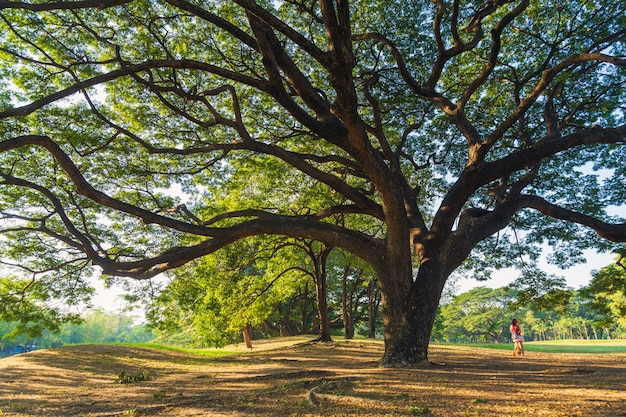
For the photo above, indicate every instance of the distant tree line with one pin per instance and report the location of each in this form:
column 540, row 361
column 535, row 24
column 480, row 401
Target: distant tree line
column 483, row 315
column 546, row 309
column 97, row 326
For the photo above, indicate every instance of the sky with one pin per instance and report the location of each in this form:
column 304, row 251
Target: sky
column 576, row 277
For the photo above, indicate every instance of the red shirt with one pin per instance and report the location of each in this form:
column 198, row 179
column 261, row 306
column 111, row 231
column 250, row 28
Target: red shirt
column 515, row 329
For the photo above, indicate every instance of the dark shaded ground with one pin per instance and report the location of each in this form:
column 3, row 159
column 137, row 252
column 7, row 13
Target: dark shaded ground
column 338, row 379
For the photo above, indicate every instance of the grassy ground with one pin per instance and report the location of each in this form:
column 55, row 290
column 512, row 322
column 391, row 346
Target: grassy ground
column 550, row 346
column 297, row 378
column 565, row 346
column 240, row 348
column 579, row 346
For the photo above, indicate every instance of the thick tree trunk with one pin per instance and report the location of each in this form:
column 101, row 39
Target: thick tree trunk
column 408, row 318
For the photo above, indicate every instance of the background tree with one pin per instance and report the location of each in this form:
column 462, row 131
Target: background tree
column 284, row 271
column 469, row 317
column 357, row 295
column 536, row 324
column 607, row 295
column 436, row 124
column 317, row 258
column 96, row 326
column 25, row 304
column 480, row 314
column 247, row 285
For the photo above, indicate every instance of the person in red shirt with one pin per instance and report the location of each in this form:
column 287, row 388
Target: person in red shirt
column 518, row 339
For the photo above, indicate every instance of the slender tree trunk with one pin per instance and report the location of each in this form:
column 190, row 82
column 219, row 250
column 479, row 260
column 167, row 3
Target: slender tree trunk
column 322, row 297
column 372, row 308
column 304, row 302
column 346, row 306
column 322, row 308
column 247, row 336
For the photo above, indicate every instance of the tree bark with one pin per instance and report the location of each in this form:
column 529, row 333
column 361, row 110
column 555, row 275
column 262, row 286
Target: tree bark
column 322, row 308
column 247, row 336
column 321, row 288
column 373, row 303
column 346, row 306
column 408, row 317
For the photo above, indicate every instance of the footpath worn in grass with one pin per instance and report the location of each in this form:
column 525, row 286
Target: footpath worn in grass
column 309, row 380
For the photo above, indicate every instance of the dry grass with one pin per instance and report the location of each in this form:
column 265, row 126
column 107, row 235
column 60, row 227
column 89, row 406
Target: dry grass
column 278, row 378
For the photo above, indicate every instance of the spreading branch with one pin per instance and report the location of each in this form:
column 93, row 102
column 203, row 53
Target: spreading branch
column 614, row 232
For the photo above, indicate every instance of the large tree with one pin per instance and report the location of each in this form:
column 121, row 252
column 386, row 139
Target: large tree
column 607, row 294
column 439, row 124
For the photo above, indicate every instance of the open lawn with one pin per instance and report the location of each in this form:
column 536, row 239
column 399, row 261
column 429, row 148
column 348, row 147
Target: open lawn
column 566, row 346
column 579, row 346
column 280, row 378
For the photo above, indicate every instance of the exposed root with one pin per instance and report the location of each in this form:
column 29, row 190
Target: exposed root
column 320, row 393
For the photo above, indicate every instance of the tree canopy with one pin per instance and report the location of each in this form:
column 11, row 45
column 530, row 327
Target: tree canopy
column 422, row 137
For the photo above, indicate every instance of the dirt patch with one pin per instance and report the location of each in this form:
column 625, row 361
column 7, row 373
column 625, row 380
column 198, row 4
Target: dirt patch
column 337, row 379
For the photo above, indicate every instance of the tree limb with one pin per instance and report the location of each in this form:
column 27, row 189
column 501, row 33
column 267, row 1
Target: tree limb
column 84, row 188
column 612, row 232
column 359, row 243
column 126, row 71
column 295, row 36
column 62, row 5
